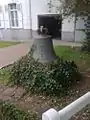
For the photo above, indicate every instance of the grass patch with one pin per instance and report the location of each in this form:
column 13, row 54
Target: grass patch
column 9, row 112
column 81, row 59
column 7, row 44
column 4, row 76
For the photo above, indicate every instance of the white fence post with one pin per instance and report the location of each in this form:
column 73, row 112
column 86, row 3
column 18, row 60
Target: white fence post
column 51, row 115
column 68, row 111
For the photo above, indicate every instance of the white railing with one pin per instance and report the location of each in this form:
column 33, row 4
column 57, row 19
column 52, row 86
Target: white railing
column 68, row 111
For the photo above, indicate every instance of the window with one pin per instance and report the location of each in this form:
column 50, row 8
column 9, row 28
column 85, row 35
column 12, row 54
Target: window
column 13, row 15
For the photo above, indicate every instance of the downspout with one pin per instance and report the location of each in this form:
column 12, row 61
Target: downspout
column 22, row 16
column 30, row 15
column 75, row 25
column 4, row 22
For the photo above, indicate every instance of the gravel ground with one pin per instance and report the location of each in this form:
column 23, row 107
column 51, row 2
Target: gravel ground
column 40, row 104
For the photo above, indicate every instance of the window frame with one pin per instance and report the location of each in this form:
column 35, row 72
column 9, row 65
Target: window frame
column 16, row 20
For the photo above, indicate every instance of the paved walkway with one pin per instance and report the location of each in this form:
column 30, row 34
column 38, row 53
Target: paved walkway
column 10, row 54
column 66, row 43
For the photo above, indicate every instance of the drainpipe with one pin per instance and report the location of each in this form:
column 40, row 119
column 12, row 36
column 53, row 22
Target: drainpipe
column 22, row 16
column 30, row 15
column 75, row 25
column 4, row 23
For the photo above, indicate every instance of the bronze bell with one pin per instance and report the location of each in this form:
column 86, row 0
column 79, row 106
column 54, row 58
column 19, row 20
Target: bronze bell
column 44, row 51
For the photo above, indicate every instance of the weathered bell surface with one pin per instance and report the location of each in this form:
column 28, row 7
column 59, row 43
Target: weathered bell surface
column 43, row 49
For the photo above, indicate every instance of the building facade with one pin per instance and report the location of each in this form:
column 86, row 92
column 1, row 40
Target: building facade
column 19, row 17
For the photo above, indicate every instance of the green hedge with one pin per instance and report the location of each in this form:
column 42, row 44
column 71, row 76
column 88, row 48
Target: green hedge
column 50, row 79
column 10, row 112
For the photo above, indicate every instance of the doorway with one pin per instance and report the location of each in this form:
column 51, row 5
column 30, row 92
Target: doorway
column 52, row 22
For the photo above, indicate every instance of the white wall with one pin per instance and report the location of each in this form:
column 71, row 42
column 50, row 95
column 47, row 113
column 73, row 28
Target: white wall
column 79, row 31
column 80, row 24
column 1, row 20
column 6, row 17
column 68, row 24
column 26, row 14
column 68, row 29
column 38, row 7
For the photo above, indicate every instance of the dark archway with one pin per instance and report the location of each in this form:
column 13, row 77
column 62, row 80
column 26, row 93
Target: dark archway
column 53, row 22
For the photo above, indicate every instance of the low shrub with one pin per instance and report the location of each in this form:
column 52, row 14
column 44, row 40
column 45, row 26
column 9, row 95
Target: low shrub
column 50, row 79
column 10, row 112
